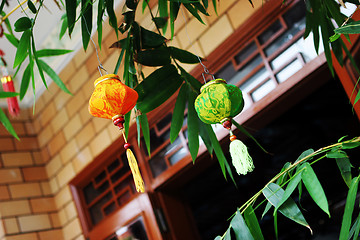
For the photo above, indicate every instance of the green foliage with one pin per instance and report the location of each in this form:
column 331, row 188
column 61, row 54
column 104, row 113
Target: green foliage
column 178, row 113
column 281, row 199
column 193, row 126
column 349, row 208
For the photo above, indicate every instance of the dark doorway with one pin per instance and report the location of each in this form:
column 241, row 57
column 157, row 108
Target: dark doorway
column 316, row 121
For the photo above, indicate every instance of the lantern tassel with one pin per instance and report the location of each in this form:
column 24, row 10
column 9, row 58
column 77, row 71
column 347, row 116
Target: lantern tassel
column 13, row 105
column 139, row 183
column 240, row 156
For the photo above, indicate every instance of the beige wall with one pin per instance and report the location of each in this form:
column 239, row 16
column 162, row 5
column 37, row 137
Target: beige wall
column 62, row 137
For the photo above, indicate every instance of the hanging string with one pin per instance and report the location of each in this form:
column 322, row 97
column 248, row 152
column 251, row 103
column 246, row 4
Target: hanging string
column 206, row 70
column 100, row 66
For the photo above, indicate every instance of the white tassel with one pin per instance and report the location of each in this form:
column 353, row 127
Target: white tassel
column 241, row 159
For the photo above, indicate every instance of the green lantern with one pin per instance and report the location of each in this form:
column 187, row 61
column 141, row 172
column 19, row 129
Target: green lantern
column 219, row 102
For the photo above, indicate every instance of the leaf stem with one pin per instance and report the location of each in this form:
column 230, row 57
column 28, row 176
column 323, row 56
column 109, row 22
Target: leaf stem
column 321, row 150
column 12, row 11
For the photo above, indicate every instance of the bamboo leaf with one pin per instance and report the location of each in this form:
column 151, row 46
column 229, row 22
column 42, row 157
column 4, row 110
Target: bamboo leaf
column 267, row 208
column 132, row 4
column 240, row 228
column 217, row 148
column 174, row 11
column 205, row 137
column 252, row 223
column 350, row 28
column 63, row 28
column 336, row 154
column 52, row 52
column 178, row 113
column 350, row 145
column 314, row 187
column 227, row 235
column 274, row 193
column 109, row 5
column 31, row 6
column 25, row 81
column 158, row 87
column 101, row 10
column 194, row 83
column 193, row 127
column 215, row 6
column 86, row 22
column 41, row 73
column 8, row 94
column 52, row 74
column 12, row 39
column 290, row 188
column 344, row 166
column 357, row 228
column 193, row 11
column 2, row 5
column 183, row 55
column 305, row 154
column 5, row 121
column 349, row 208
column 22, row 24
column 150, row 39
column 22, row 49
column 153, row 57
column 243, row 130
column 127, row 123
column 145, row 130
column 70, row 6
column 163, row 12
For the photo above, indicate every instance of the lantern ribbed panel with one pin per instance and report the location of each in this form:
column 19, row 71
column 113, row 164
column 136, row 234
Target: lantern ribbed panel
column 217, row 101
column 111, row 97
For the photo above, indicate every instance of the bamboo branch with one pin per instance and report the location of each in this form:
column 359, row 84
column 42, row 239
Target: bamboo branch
column 12, row 11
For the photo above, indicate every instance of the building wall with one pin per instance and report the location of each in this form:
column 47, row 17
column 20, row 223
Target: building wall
column 62, row 137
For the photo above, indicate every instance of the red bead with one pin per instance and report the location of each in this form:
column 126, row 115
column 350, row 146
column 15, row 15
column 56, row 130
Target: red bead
column 127, row 145
column 227, row 124
column 232, row 137
column 119, row 122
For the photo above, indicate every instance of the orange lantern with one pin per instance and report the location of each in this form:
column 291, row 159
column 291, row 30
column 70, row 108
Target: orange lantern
column 112, row 99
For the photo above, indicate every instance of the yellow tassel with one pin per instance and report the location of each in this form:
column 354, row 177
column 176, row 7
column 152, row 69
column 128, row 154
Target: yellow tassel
column 139, row 183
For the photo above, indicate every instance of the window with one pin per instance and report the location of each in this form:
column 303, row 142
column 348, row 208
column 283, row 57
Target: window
column 271, row 57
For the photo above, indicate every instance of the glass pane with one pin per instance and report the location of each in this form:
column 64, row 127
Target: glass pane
column 288, row 71
column 158, row 164
column 100, row 177
column 164, row 122
column 95, row 211
column 245, row 53
column 156, row 141
column 263, row 90
column 133, row 231
column 269, row 32
column 177, row 156
column 295, row 14
column 122, row 171
column 169, row 148
column 90, row 192
column 113, row 165
column 110, row 208
column 285, row 37
column 226, row 72
column 245, row 70
column 252, row 82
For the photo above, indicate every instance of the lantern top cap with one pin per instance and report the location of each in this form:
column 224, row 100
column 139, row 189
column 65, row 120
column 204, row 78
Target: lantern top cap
column 106, row 77
column 215, row 81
